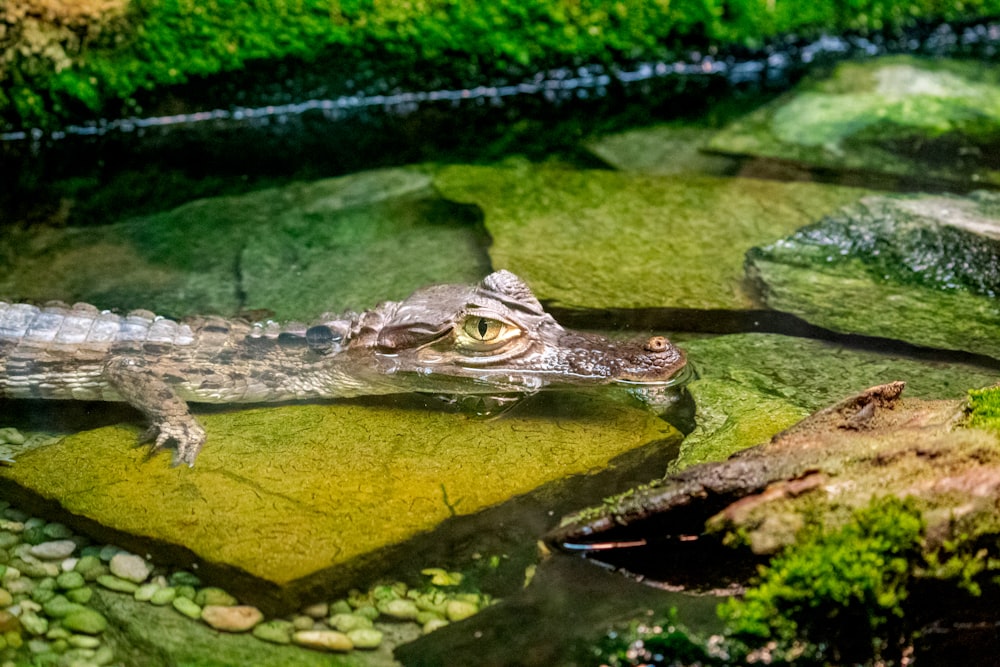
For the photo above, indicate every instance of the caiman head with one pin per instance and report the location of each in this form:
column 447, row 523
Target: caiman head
column 495, row 337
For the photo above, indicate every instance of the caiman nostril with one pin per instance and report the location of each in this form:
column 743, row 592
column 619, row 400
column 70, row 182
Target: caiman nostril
column 656, row 344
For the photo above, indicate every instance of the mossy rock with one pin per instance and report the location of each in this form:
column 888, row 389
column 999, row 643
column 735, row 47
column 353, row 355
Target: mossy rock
column 900, row 115
column 296, row 251
column 599, row 239
column 921, row 269
column 288, row 502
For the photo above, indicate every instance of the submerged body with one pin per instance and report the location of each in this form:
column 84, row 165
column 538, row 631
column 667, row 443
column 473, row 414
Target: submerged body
column 490, row 338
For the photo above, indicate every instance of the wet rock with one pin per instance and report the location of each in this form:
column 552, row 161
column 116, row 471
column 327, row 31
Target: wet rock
column 113, row 583
column 130, row 567
column 324, row 640
column 85, row 620
column 276, row 632
column 874, row 444
column 933, row 261
column 601, row 239
column 928, row 119
column 214, row 596
column 752, row 386
column 187, row 606
column 662, row 149
column 235, row 618
column 303, row 250
column 268, row 467
column 365, row 638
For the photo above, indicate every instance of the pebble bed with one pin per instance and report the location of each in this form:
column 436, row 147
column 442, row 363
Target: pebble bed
column 48, row 575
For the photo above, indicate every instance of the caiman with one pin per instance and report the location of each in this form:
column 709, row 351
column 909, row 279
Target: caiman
column 487, row 339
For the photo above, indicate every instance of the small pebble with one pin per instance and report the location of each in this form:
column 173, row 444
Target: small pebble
column 182, row 578
column 130, row 567
column 276, row 632
column 109, row 551
column 348, row 622
column 20, row 586
column 9, row 539
column 324, row 640
column 365, row 638
column 341, row 607
column 302, row 622
column 85, row 620
column 33, row 623
column 6, row 599
column 229, row 618
column 214, row 596
column 57, row 531
column 434, row 624
column 32, row 567
column 402, row 609
column 90, row 567
column 186, row 591
column 187, row 606
column 80, row 595
column 459, row 610
column 69, row 564
column 115, row 584
column 425, row 616
column 59, row 607
column 11, row 436
column 318, row 610
column 367, row 611
column 84, row 641
column 70, row 580
column 145, row 592
column 9, row 622
column 57, row 633
column 16, row 515
column 164, row 596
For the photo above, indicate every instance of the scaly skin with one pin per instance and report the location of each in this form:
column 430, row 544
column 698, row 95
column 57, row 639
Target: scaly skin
column 491, row 338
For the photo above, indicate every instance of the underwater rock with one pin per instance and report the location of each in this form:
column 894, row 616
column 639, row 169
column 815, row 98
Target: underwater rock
column 602, row 239
column 303, row 499
column 928, row 119
column 296, row 251
column 751, row 386
column 874, row 444
column 662, row 149
column 924, row 269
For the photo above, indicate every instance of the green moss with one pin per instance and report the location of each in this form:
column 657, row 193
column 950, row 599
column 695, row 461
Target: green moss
column 984, row 408
column 843, row 588
column 168, row 42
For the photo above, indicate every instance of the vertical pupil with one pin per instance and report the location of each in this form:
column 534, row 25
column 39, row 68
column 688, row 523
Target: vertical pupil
column 484, row 326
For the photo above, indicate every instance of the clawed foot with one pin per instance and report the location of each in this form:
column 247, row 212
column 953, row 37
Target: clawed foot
column 188, row 438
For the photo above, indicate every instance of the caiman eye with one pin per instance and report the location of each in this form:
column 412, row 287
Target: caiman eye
column 483, row 329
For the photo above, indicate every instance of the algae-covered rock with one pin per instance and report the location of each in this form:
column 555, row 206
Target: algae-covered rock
column 822, row 470
column 898, row 115
column 296, row 251
column 923, row 269
column 752, row 386
column 662, row 149
column 307, row 497
column 599, row 239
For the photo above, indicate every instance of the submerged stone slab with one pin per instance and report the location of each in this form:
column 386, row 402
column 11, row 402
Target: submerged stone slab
column 930, row 119
column 662, row 149
column 287, row 502
column 600, row 239
column 296, row 251
column 922, row 269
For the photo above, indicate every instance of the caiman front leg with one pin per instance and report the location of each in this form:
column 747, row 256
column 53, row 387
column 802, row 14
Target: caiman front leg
column 169, row 417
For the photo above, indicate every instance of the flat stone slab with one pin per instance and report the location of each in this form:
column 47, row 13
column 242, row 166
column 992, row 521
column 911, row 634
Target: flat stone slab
column 286, row 503
column 602, row 239
column 295, row 252
column 922, row 269
column 929, row 119
column 752, row 386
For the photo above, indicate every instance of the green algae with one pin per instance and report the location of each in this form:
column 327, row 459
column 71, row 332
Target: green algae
column 289, row 499
column 984, row 408
column 897, row 115
column 598, row 239
column 296, row 251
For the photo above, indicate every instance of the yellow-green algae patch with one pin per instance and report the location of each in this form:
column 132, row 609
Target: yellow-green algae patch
column 602, row 239
column 295, row 494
